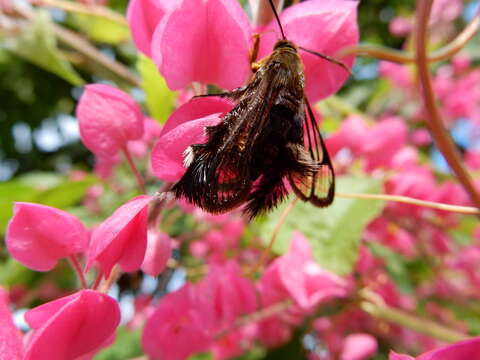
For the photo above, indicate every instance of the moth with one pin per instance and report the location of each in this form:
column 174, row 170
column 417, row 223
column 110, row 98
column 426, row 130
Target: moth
column 268, row 141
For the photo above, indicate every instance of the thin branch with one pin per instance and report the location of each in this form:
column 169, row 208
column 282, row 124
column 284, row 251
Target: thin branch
column 469, row 210
column 375, row 306
column 133, row 167
column 78, row 43
column 437, row 129
column 73, row 260
column 91, row 9
column 259, row 315
column 106, row 284
column 402, row 57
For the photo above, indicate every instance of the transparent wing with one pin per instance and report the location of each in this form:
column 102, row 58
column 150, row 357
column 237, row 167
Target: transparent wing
column 317, row 186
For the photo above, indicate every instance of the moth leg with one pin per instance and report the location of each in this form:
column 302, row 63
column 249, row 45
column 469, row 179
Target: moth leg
column 254, row 51
column 235, row 94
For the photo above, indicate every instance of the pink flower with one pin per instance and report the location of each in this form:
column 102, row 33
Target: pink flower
column 203, row 41
column 398, row 74
column 229, row 294
column 139, row 148
column 122, row 238
column 296, row 275
column 234, row 343
column 358, row 347
column 385, row 139
column 405, row 158
column 38, row 235
column 389, row 234
column 325, row 26
column 209, row 41
column 72, row 326
column 186, row 126
column 10, row 338
column 472, row 159
column 417, row 182
column 353, row 134
column 401, row 26
column 105, row 165
column 159, row 250
column 178, row 328
column 273, row 332
column 143, row 17
column 108, row 119
column 421, row 137
column 468, row 349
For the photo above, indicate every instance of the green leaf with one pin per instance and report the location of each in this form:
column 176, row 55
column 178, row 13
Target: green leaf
column 37, row 44
column 102, row 30
column 9, row 192
column 14, row 273
column 66, row 194
column 48, row 190
column 160, row 99
column 126, row 346
column 334, row 232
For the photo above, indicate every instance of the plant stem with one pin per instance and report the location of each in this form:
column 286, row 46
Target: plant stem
column 75, row 41
column 413, row 322
column 133, row 167
column 259, row 315
column 106, row 284
column 408, row 200
column 402, row 57
column 73, row 260
column 90, row 9
column 437, row 129
column 98, row 279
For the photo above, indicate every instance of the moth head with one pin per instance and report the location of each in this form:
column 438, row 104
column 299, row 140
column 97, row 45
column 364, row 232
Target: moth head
column 285, row 45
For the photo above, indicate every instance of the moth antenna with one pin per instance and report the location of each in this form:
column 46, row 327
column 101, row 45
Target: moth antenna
column 278, row 19
column 328, row 58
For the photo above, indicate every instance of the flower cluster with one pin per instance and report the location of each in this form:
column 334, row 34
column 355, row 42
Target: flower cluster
column 214, row 283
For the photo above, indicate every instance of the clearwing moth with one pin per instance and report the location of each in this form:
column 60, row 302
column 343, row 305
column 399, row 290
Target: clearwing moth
column 268, row 140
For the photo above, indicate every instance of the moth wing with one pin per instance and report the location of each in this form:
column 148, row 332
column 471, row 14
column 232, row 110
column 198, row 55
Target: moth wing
column 219, row 177
column 317, row 186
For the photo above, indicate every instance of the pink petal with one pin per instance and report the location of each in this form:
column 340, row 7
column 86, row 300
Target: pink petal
column 195, row 109
column 325, row 26
column 228, row 293
column 358, row 347
column 122, row 238
column 159, row 250
column 108, row 118
column 384, row 141
column 394, row 356
column 143, row 17
column 468, row 349
column 10, row 337
column 38, row 235
column 72, row 327
column 297, row 276
column 176, row 329
column 168, row 153
column 352, row 134
column 203, row 41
